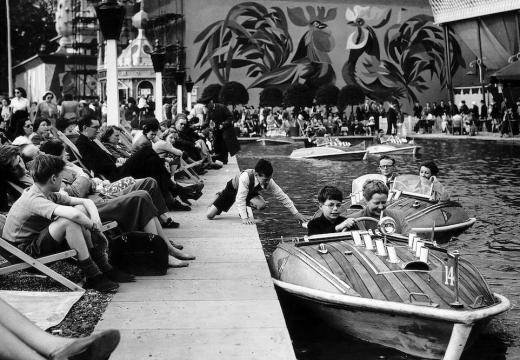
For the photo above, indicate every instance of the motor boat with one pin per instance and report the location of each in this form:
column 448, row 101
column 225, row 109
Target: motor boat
column 394, row 145
column 334, row 149
column 413, row 196
column 275, row 137
column 382, row 287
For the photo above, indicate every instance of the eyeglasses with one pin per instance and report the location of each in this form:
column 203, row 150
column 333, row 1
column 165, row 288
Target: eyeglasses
column 333, row 205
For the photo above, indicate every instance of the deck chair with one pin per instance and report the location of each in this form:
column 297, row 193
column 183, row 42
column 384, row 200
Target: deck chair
column 75, row 152
column 188, row 170
column 13, row 259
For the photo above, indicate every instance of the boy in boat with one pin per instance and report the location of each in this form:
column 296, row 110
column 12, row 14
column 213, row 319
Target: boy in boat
column 375, row 193
column 244, row 189
column 330, row 199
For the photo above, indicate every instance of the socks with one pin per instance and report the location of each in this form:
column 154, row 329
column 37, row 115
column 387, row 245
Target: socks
column 89, row 268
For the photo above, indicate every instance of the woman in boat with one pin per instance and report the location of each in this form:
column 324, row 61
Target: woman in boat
column 375, row 193
column 429, row 171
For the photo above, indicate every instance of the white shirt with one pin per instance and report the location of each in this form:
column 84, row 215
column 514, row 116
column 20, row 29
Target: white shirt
column 272, row 187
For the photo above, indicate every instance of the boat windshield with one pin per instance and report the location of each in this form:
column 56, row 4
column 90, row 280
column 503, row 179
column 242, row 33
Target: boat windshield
column 331, row 141
column 357, row 184
column 413, row 184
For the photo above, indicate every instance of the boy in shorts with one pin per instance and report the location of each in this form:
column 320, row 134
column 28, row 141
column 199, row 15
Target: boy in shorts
column 43, row 221
column 245, row 190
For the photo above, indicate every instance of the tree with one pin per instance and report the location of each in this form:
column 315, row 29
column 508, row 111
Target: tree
column 298, row 95
column 211, row 92
column 350, row 95
column 233, row 93
column 32, row 25
column 327, row 95
column 271, row 96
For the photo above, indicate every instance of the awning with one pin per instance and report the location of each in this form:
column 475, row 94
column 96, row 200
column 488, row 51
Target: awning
column 455, row 10
column 509, row 72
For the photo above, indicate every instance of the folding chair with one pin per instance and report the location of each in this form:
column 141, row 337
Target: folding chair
column 187, row 169
column 15, row 259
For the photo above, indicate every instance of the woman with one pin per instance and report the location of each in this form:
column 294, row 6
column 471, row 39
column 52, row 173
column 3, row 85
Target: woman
column 41, row 132
column 375, row 193
column 110, row 139
column 19, row 101
column 69, row 107
column 48, row 109
column 22, row 127
column 6, row 110
column 429, row 171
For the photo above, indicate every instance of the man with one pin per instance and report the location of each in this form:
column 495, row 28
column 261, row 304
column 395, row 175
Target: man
column 484, row 124
column 245, row 189
column 391, row 117
column 224, row 137
column 43, row 221
column 375, row 193
column 387, row 169
column 93, row 156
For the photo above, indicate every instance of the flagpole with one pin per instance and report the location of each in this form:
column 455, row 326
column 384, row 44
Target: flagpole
column 9, row 59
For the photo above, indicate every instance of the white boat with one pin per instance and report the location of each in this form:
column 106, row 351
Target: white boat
column 380, row 287
column 275, row 137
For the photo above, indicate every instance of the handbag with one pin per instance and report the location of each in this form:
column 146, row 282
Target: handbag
column 139, row 253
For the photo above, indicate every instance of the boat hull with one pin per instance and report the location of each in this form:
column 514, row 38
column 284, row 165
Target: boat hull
column 418, row 336
column 356, row 289
column 328, row 153
column 275, row 141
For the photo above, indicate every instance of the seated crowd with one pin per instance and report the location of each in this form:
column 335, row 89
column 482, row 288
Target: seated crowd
column 78, row 173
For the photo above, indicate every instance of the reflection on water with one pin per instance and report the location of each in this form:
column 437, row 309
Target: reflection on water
column 484, row 176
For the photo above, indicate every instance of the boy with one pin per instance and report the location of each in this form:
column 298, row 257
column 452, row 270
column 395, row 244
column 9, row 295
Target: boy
column 330, row 199
column 245, row 188
column 43, row 221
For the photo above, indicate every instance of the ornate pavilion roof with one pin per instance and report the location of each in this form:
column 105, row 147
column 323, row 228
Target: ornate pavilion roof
column 454, row 10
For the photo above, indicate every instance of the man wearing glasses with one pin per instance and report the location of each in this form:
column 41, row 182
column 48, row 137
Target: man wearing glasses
column 387, row 169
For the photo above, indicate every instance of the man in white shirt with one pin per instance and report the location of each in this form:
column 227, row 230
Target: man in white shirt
column 244, row 189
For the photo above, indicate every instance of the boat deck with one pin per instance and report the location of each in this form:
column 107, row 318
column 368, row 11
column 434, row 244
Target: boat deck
column 223, row 306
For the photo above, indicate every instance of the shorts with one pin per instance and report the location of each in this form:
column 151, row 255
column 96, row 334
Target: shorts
column 43, row 245
column 227, row 197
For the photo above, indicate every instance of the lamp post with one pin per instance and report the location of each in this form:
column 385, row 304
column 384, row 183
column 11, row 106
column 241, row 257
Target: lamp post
column 158, row 56
column 479, row 66
column 179, row 79
column 110, row 15
column 189, row 87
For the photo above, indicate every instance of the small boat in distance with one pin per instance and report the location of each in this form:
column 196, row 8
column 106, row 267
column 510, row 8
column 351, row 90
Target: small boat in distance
column 384, row 288
column 275, row 137
column 394, row 145
column 333, row 149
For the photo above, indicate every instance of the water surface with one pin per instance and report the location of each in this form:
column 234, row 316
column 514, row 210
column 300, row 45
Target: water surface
column 484, row 176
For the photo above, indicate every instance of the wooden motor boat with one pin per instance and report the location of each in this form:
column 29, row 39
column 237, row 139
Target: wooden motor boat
column 394, row 145
column 383, row 288
column 332, row 151
column 275, row 137
column 412, row 197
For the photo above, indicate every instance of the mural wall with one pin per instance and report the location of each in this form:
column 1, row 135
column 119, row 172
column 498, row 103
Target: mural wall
column 389, row 51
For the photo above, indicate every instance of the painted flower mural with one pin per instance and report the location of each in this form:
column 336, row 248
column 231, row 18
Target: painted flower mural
column 257, row 38
column 414, row 50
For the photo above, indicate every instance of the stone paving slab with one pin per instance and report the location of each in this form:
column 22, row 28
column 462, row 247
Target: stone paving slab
column 214, row 344
column 223, row 306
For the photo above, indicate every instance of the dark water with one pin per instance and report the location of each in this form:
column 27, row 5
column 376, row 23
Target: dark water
column 482, row 175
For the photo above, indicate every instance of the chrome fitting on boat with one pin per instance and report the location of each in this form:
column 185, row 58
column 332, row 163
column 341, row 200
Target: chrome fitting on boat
column 392, row 256
column 368, row 242
column 380, row 246
column 322, row 249
column 357, row 238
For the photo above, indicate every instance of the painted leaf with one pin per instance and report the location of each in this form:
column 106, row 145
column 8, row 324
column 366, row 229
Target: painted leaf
column 297, row 16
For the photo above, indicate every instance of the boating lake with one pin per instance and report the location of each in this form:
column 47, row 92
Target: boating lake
column 484, row 176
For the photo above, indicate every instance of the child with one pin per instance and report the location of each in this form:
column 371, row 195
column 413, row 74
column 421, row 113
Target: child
column 245, row 188
column 330, row 199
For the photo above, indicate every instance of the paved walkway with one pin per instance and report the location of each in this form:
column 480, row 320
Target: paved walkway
column 223, row 306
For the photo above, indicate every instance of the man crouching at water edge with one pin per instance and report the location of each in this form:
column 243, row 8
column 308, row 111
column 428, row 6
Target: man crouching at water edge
column 244, row 189
column 330, row 199
column 375, row 193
